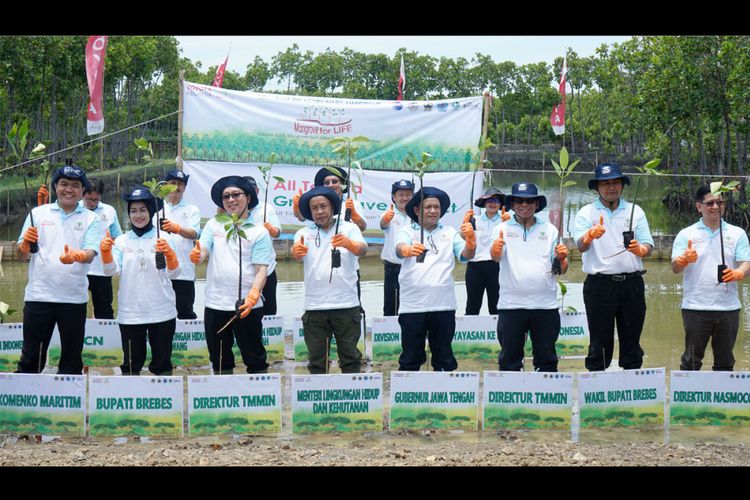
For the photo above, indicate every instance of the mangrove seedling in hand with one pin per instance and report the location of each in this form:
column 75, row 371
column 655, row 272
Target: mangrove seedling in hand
column 419, row 167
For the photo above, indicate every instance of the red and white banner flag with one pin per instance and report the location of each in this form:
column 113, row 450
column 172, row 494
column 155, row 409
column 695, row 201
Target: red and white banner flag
column 219, row 78
column 96, row 49
column 557, row 118
column 401, row 81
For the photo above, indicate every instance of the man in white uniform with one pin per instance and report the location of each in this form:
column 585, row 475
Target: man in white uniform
column 273, row 226
column 391, row 223
column 428, row 297
column 57, row 292
column 331, row 304
column 710, row 309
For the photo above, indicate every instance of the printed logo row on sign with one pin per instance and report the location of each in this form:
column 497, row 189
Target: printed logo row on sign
column 250, row 404
column 475, row 339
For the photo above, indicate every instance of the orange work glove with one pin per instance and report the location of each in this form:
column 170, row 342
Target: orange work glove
column 252, row 298
column 497, row 246
column 195, row 253
column 339, row 240
column 69, row 256
column 688, row 257
column 356, row 218
column 504, row 216
column 732, row 275
column 595, row 232
column 413, row 250
column 468, row 215
column 637, row 249
column 30, row 236
column 42, row 196
column 295, row 202
column 170, row 227
column 163, row 247
column 468, row 233
column 105, row 248
column 299, row 250
column 561, row 252
column 273, row 231
column 388, row 216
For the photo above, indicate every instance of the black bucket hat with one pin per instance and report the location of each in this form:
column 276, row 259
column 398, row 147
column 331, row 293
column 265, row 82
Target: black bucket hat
column 177, row 175
column 429, row 192
column 233, row 181
column 304, row 201
column 402, row 184
column 325, row 172
column 141, row 193
column 608, row 171
column 525, row 190
column 70, row 172
column 491, row 192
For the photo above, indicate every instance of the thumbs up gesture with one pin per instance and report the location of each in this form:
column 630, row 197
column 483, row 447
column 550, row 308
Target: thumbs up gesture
column 596, row 232
column 388, row 216
column 105, row 248
column 689, row 256
column 70, row 256
column 504, row 216
column 295, row 202
column 299, row 250
column 195, row 253
column 497, row 246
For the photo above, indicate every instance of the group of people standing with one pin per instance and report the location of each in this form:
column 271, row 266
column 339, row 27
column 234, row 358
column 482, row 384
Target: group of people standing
column 511, row 252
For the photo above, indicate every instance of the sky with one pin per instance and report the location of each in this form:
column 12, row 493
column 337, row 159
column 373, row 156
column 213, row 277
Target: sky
column 211, row 50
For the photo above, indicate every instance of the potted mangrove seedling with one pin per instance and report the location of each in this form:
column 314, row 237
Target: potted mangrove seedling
column 419, row 168
column 479, row 161
column 648, row 169
column 159, row 189
column 718, row 189
column 563, row 170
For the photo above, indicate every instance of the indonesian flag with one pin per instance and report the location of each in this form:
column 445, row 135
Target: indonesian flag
column 219, row 78
column 96, row 49
column 401, row 81
column 557, row 118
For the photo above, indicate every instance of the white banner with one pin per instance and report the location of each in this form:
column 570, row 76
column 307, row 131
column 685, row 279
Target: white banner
column 709, row 398
column 374, row 192
column 527, row 400
column 622, row 399
column 52, row 405
column 230, row 125
column 234, row 404
column 438, row 400
column 11, row 343
column 135, row 406
column 337, row 403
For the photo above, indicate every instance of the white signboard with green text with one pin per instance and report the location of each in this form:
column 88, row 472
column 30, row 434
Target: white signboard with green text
column 11, row 342
column 300, row 348
column 574, row 335
column 527, row 400
column 337, row 403
column 437, row 400
column 234, row 404
column 625, row 398
column 386, row 339
column 53, row 405
column 102, row 344
column 709, row 398
column 476, row 338
column 273, row 339
column 135, row 406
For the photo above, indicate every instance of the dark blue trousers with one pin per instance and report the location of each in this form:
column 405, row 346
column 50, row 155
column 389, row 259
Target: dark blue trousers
column 438, row 328
column 543, row 326
column 391, row 288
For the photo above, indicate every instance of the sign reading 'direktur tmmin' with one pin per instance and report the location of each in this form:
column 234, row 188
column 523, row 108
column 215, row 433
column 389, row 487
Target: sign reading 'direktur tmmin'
column 337, row 403
column 234, row 404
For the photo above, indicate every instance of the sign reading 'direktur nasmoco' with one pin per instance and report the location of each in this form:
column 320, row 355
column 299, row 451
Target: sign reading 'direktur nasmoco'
column 439, row 400
column 476, row 338
column 527, row 400
column 135, row 406
column 11, row 342
column 622, row 399
column 709, row 398
column 337, row 403
column 235, row 404
column 53, row 405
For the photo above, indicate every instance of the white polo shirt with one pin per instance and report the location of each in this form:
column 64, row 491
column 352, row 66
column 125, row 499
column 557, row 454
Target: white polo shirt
column 49, row 279
column 611, row 242
column 484, row 229
column 341, row 292
column 223, row 273
column 701, row 290
column 145, row 295
column 428, row 286
column 525, row 278
column 256, row 217
column 185, row 215
column 399, row 221
column 109, row 221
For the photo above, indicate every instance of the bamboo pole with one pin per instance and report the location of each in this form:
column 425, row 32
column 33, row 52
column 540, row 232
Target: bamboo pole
column 179, row 121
